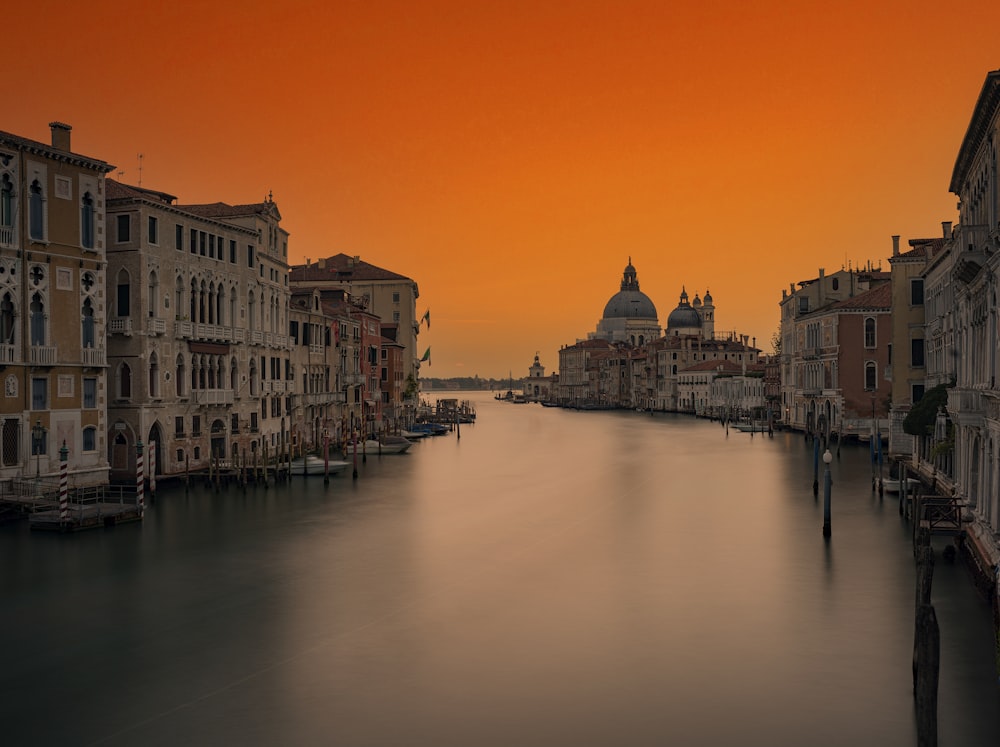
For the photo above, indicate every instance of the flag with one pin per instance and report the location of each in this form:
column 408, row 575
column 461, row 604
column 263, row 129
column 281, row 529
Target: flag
column 427, row 356
column 426, row 318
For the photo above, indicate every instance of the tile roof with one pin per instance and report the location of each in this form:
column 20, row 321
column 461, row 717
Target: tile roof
column 878, row 298
column 723, row 366
column 224, row 210
column 40, row 148
column 341, row 267
column 118, row 191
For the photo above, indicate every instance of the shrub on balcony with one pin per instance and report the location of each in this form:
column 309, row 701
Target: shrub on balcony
column 920, row 420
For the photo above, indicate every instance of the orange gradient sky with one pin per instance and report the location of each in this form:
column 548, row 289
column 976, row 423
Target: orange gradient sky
column 511, row 156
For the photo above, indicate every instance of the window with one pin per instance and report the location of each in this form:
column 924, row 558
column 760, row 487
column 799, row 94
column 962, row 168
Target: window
column 11, row 442
column 6, row 211
column 124, row 295
column 917, row 292
column 88, row 337
column 202, row 241
column 179, row 425
column 37, row 313
column 89, row 393
column 232, row 252
column 36, row 212
column 90, row 439
column 835, row 283
column 87, row 221
column 916, row 393
column 39, row 393
column 6, row 320
column 124, row 228
column 395, row 297
column 124, row 381
column 803, row 304
column 153, row 230
column 39, row 442
column 250, row 259
column 179, row 237
column 196, row 425
column 194, row 241
column 917, row 352
column 871, row 379
column 869, row 332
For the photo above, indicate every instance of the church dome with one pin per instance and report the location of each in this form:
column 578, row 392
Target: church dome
column 630, row 302
column 684, row 316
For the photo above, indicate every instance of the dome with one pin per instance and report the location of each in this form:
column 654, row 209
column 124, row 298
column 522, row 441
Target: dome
column 685, row 316
column 630, row 302
column 708, row 298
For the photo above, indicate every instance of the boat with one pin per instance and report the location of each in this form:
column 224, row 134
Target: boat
column 751, row 427
column 429, row 429
column 388, row 445
column 314, row 465
column 413, row 435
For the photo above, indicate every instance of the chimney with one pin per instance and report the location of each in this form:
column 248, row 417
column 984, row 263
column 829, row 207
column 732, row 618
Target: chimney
column 946, row 228
column 895, row 246
column 321, row 263
column 60, row 135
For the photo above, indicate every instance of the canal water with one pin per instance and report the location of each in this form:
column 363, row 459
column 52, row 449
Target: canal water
column 545, row 577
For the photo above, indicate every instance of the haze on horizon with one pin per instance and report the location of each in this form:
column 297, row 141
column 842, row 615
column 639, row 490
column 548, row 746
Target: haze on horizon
column 511, row 157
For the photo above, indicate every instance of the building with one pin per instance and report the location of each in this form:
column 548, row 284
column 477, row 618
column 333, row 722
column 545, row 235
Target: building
column 391, row 297
column 52, row 256
column 629, row 315
column 198, row 343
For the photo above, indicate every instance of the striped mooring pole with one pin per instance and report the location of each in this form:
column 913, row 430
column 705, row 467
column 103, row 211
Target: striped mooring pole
column 64, row 484
column 152, row 470
column 139, row 480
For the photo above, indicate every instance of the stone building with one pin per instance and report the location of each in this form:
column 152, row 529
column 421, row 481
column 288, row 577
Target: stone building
column 198, row 330
column 53, row 309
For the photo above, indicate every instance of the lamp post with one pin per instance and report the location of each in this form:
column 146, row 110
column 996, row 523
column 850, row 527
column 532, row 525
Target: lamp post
column 38, row 433
column 827, row 458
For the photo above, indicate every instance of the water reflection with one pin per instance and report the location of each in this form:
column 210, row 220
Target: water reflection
column 552, row 577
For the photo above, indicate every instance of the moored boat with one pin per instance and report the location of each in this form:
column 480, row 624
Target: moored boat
column 387, row 445
column 314, row 465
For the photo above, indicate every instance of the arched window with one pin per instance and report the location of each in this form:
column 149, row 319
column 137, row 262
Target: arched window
column 37, row 310
column 233, row 378
column 36, row 211
column 124, row 295
column 6, row 207
column 7, row 320
column 124, row 383
column 180, row 374
column 871, row 376
column 154, row 375
column 87, row 221
column 869, row 332
column 89, row 338
column 89, row 439
column 179, row 297
column 154, row 291
column 252, row 309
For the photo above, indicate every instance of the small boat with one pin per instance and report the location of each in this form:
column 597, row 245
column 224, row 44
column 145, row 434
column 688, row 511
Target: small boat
column 413, row 435
column 388, row 445
column 314, row 465
column 430, row 429
column 750, row 427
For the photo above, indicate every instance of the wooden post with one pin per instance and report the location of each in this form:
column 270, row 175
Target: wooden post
column 152, row 470
column 264, row 461
column 815, row 466
column 187, row 471
column 139, row 479
column 928, row 653
column 64, row 486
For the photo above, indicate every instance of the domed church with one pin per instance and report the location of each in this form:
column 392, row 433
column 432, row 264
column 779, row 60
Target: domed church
column 695, row 318
column 630, row 315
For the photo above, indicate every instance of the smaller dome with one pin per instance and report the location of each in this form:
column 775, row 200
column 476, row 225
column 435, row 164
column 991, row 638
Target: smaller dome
column 683, row 317
column 708, row 297
column 696, row 301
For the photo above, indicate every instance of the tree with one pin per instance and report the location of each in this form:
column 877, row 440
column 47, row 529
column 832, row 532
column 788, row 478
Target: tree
column 919, row 421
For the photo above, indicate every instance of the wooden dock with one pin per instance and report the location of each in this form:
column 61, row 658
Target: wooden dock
column 86, row 508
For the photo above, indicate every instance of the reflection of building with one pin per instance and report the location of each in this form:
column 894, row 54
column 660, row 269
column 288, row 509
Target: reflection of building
column 198, row 331
column 52, row 309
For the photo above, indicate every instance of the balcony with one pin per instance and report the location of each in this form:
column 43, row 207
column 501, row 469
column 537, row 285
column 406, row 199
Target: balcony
column 95, row 357
column 6, row 235
column 316, row 350
column 9, row 354
column 43, row 355
column 156, row 326
column 256, row 338
column 213, row 396
column 120, row 325
column 184, row 329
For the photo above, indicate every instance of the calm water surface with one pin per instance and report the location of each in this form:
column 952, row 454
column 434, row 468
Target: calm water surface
column 549, row 578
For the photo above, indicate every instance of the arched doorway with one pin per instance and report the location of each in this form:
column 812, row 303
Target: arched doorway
column 120, row 452
column 154, row 447
column 218, row 439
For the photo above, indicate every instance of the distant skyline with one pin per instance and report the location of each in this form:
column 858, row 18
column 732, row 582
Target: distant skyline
column 510, row 157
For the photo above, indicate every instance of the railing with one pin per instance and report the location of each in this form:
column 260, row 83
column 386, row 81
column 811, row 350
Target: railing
column 183, row 329
column 7, row 235
column 94, row 357
column 43, row 355
column 213, row 396
column 120, row 325
column 256, row 338
column 964, row 400
column 9, row 354
column 157, row 326
column 316, row 350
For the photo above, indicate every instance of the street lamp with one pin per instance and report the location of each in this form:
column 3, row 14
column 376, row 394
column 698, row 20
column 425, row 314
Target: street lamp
column 827, row 458
column 38, row 433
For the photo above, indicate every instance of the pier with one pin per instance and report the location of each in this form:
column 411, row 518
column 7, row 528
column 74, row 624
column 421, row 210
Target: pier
column 84, row 508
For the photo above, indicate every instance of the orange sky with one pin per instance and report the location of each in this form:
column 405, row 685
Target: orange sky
column 511, row 156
